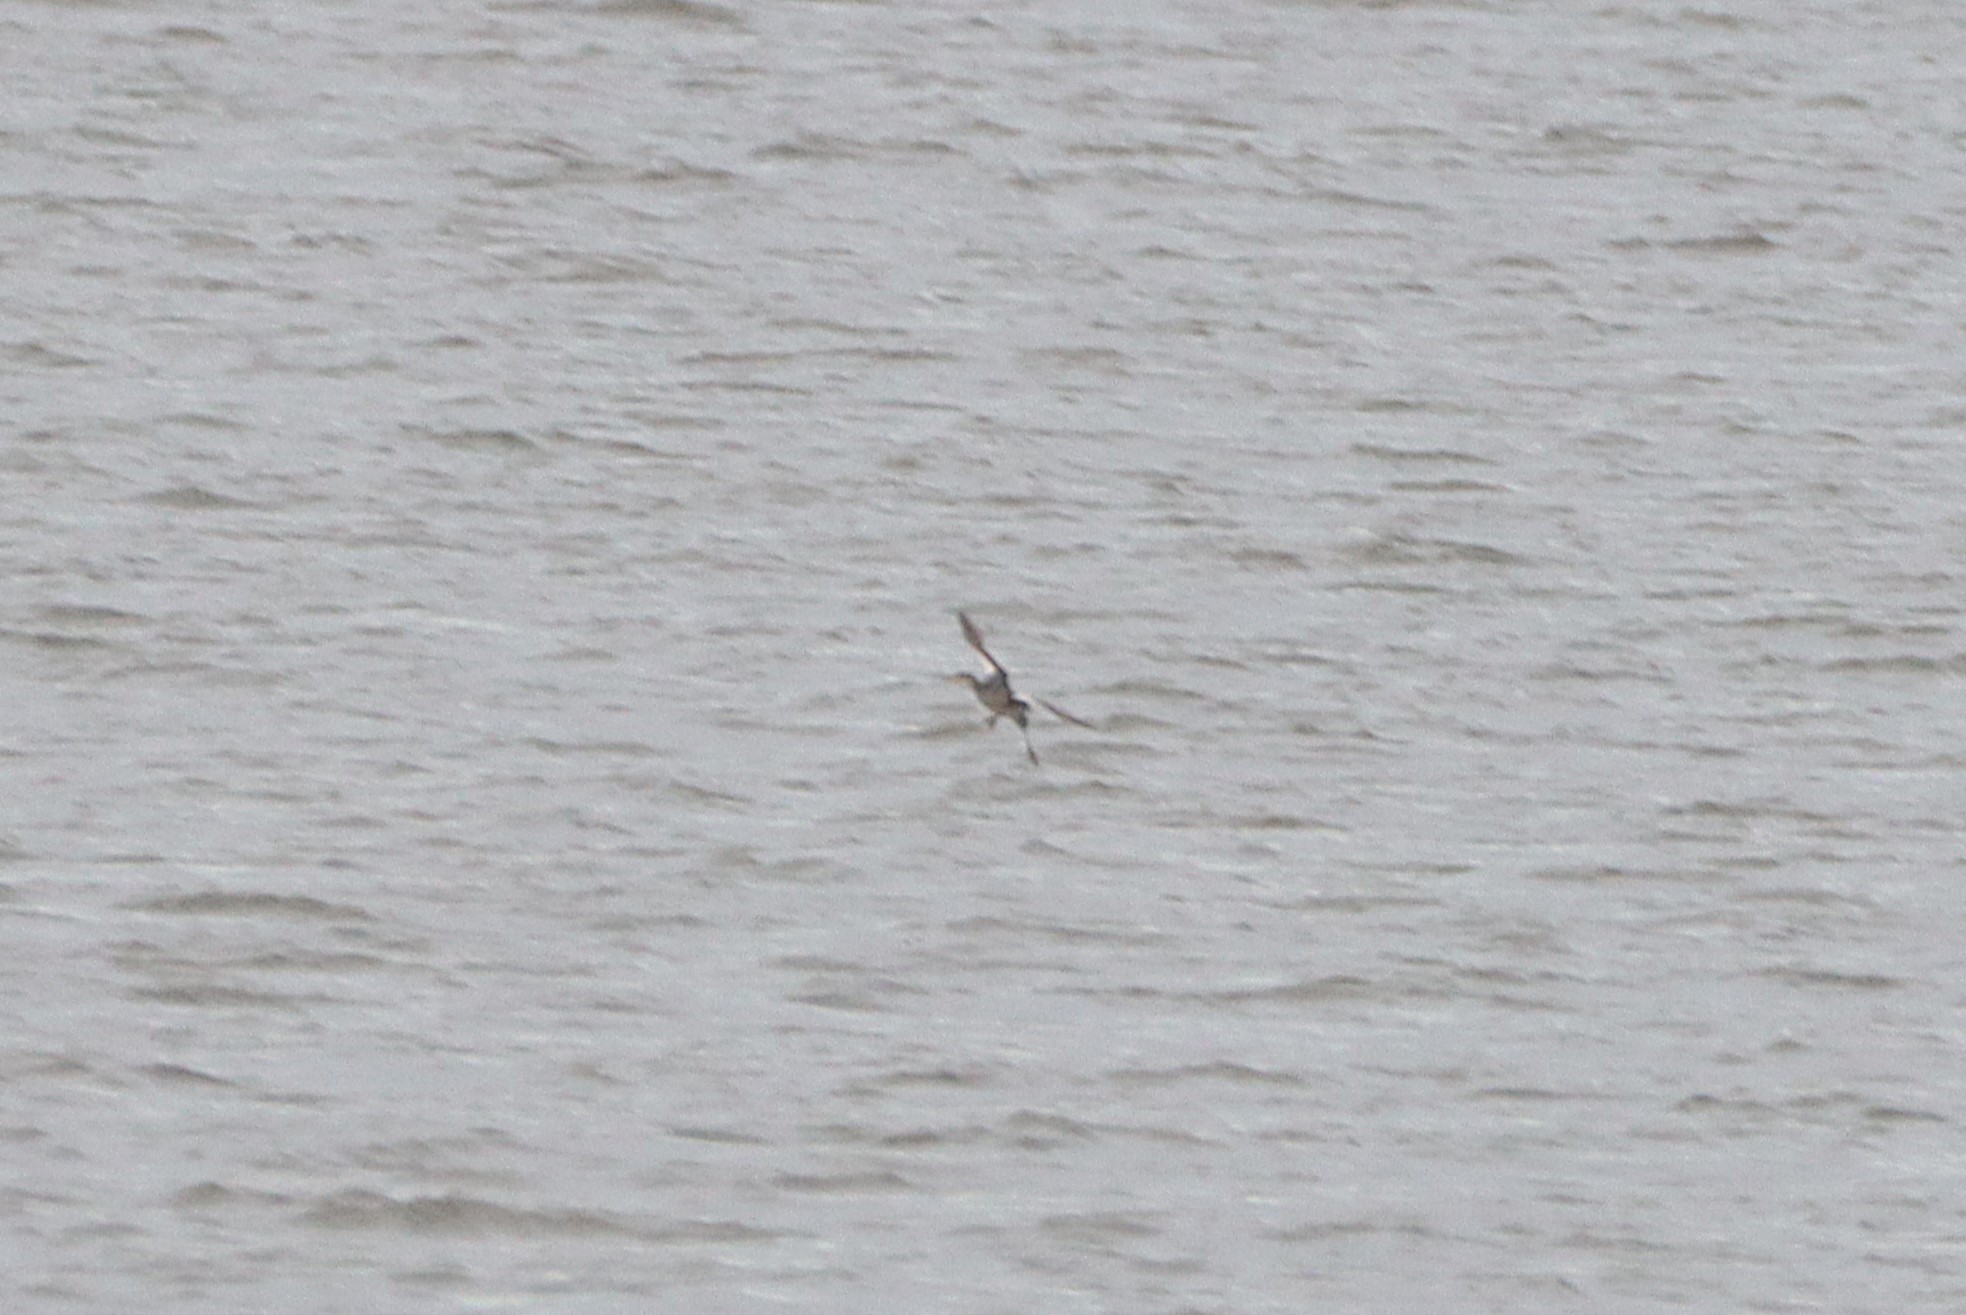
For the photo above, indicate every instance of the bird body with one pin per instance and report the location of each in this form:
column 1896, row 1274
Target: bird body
column 994, row 693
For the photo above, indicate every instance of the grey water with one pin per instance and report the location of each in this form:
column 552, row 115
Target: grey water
column 487, row 488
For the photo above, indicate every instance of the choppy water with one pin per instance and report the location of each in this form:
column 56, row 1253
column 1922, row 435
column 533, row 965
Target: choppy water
column 487, row 489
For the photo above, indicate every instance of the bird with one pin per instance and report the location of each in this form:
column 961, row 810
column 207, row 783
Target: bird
column 993, row 691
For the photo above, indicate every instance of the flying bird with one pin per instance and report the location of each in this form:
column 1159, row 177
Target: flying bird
column 993, row 691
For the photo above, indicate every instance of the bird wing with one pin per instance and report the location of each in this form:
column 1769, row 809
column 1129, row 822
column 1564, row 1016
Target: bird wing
column 975, row 638
column 1063, row 715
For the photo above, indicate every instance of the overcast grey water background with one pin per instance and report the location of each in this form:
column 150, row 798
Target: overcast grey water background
column 486, row 489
